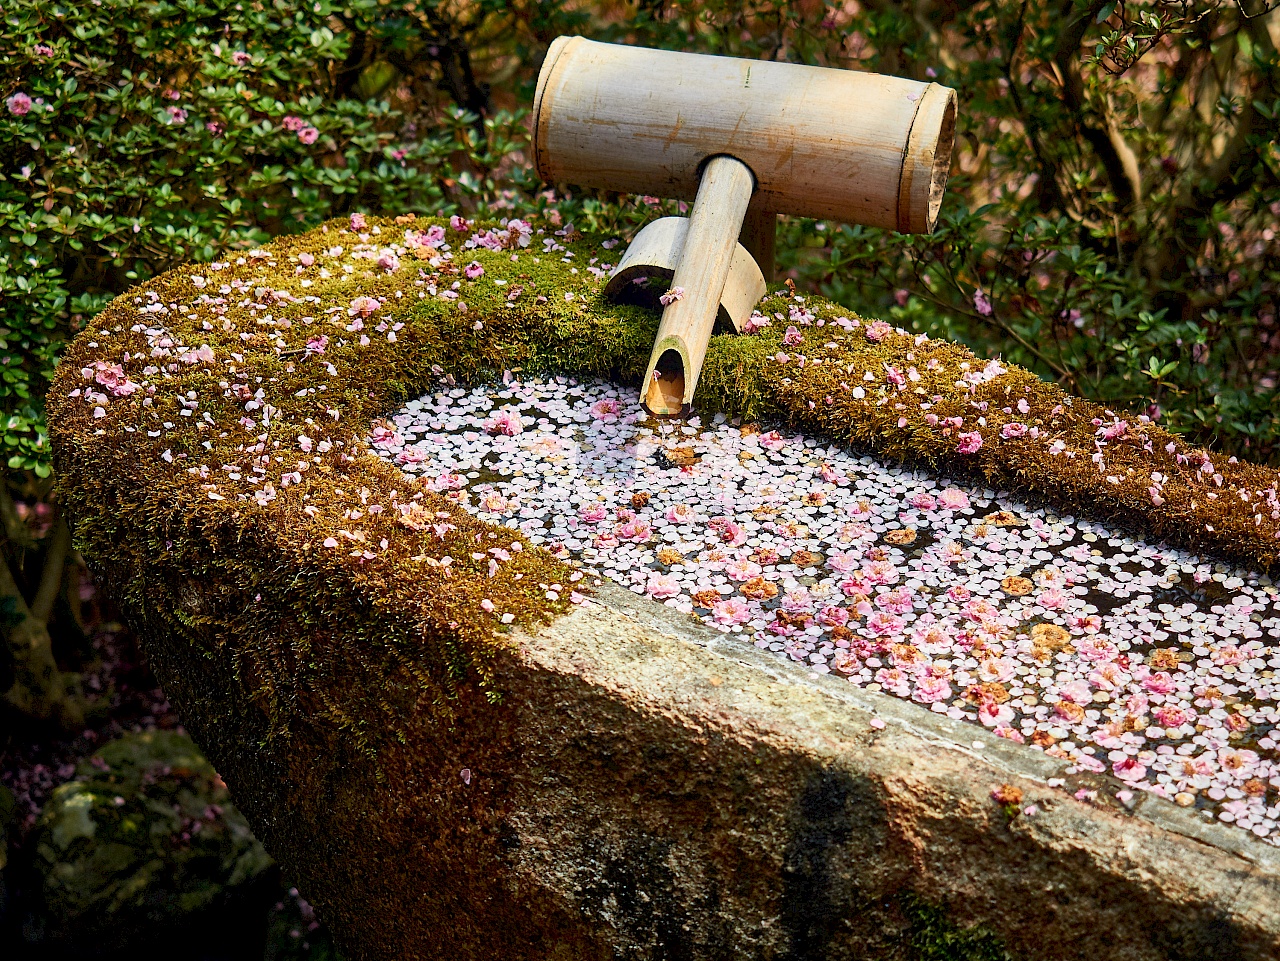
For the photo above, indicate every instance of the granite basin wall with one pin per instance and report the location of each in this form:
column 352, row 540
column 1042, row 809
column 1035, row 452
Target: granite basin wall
column 650, row 789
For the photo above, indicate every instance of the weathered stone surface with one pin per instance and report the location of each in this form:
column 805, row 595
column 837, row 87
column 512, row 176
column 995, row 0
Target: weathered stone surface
column 143, row 840
column 649, row 789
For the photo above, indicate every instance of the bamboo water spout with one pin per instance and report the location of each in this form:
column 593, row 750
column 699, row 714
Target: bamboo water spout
column 743, row 139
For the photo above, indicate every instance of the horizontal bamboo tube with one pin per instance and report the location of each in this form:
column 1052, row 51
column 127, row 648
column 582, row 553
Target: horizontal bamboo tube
column 826, row 143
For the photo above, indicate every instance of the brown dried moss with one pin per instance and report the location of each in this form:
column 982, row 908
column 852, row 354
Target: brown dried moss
column 354, row 634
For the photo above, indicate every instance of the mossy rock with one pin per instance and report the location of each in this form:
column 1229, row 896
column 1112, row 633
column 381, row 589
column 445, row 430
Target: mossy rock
column 209, row 433
column 141, row 842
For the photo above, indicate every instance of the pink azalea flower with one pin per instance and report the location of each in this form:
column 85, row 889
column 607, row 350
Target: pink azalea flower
column 473, row 270
column 953, row 499
column 177, row 115
column 793, row 337
column 981, row 304
column 19, row 104
column 240, row 58
column 293, row 124
column 970, row 442
column 734, row 610
column 662, row 586
column 358, row 223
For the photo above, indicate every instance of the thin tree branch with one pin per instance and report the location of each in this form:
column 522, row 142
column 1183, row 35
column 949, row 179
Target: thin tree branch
column 51, row 576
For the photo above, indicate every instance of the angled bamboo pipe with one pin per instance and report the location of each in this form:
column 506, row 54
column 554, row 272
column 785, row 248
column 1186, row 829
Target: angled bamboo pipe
column 685, row 331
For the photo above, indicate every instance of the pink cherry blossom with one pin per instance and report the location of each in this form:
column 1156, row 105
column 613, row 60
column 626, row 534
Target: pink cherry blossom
column 953, row 499
column 1012, row 430
column 504, row 422
column 362, row 306
column 970, row 442
column 1159, row 683
column 732, row 611
column 1129, row 769
column 662, row 586
column 931, row 689
column 473, row 270
column 741, row 570
column 793, row 337
column 593, row 513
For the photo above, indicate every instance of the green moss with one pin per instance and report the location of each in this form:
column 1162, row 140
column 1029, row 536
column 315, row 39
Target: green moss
column 935, row 937
column 327, row 578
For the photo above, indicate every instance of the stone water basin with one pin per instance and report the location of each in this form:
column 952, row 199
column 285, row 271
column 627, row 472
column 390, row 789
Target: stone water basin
column 1139, row 660
column 510, row 671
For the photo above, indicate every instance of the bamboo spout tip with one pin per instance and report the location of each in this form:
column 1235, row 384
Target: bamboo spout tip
column 663, row 393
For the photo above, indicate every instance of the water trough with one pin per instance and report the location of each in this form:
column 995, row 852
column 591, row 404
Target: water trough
column 907, row 708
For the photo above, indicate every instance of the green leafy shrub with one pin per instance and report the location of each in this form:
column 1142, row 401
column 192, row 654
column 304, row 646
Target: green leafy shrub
column 135, row 136
column 1110, row 222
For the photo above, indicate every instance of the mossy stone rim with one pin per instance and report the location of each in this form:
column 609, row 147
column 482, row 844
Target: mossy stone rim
column 336, row 613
